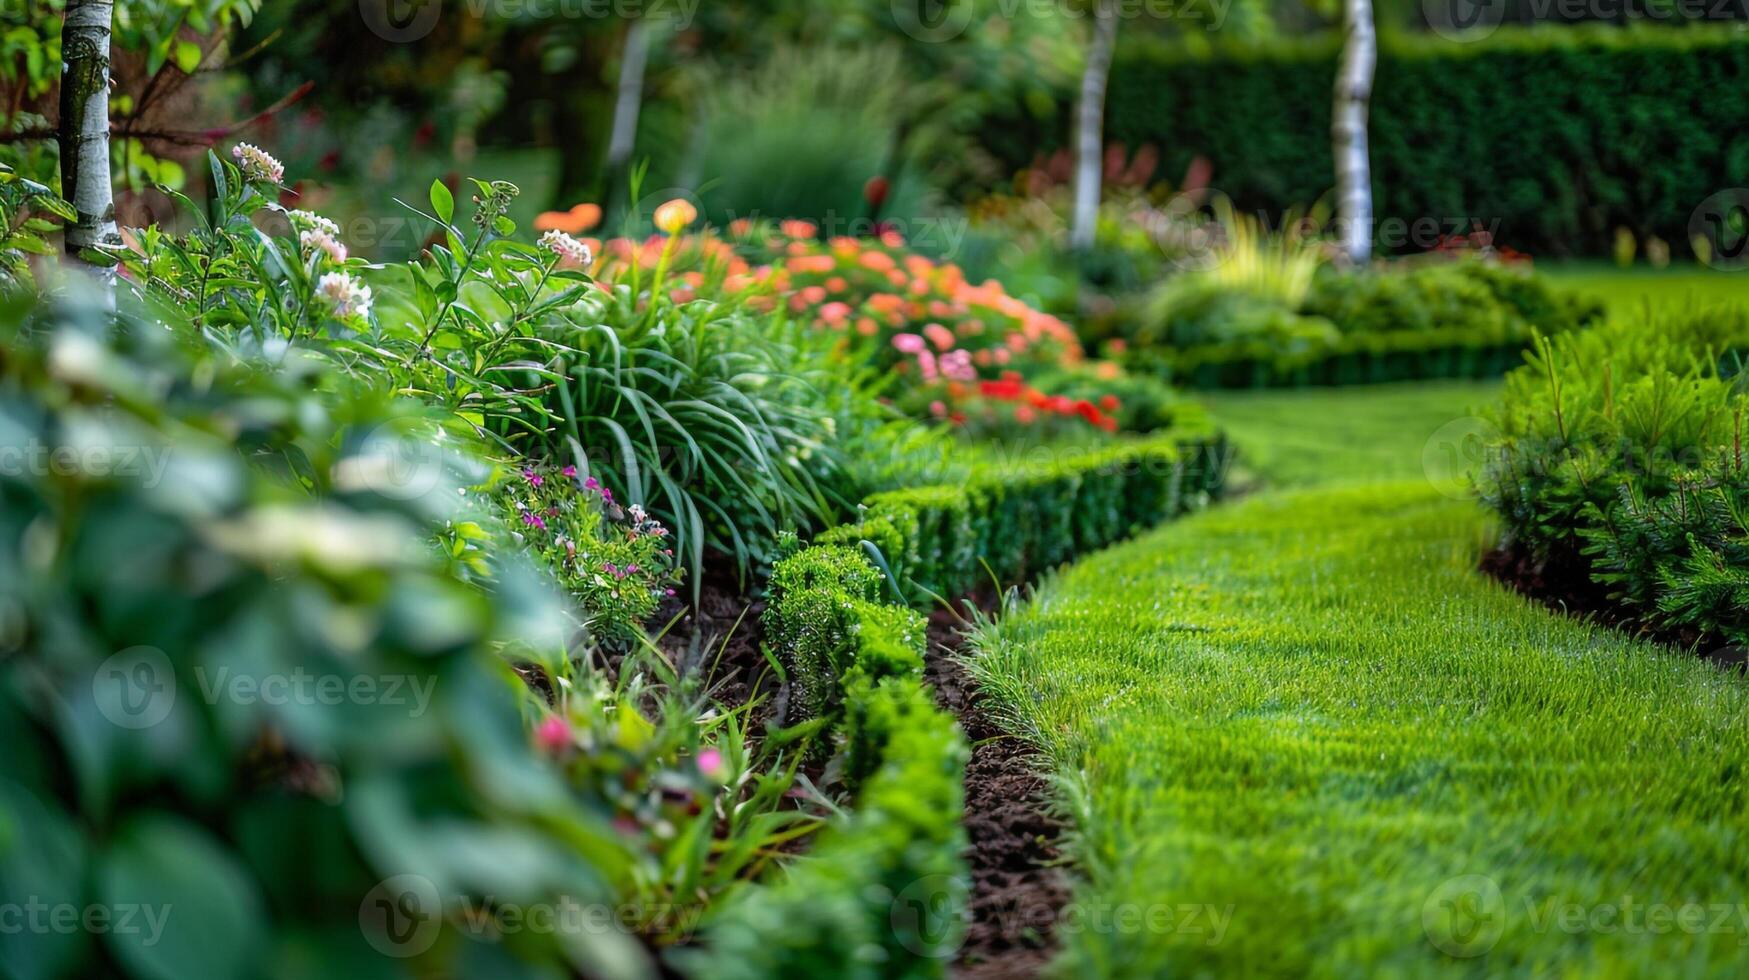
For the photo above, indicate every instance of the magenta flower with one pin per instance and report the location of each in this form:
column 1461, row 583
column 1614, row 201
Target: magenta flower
column 569, row 471
column 533, row 478
column 531, row 519
column 554, row 734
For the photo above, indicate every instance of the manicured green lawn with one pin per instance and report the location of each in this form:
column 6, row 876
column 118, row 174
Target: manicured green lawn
column 1381, row 432
column 1299, row 735
column 1628, row 290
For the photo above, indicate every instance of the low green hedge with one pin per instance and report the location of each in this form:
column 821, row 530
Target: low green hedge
column 880, row 894
column 1561, row 135
column 1014, row 521
column 879, row 897
column 1397, row 322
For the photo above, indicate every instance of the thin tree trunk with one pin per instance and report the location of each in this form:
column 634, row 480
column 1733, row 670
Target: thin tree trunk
column 84, row 130
column 1348, row 130
column 1090, row 126
column 630, row 99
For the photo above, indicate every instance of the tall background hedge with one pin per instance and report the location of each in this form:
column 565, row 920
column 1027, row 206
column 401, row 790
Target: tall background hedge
column 1562, row 134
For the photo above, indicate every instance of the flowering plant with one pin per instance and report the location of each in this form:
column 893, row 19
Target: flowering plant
column 618, row 561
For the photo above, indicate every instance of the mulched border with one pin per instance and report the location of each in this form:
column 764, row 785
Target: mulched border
column 1562, row 582
column 1018, row 886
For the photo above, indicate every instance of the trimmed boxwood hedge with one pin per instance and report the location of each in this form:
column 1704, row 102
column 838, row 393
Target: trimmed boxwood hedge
column 878, row 896
column 1561, row 134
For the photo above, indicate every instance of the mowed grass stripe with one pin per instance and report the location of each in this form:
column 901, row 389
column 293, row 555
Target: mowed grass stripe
column 1305, row 725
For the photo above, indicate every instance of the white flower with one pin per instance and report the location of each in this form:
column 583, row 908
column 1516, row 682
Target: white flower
column 257, row 164
column 345, row 295
column 316, row 240
column 571, row 252
column 313, row 221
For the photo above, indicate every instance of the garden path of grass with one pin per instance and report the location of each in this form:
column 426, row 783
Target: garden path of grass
column 1300, row 735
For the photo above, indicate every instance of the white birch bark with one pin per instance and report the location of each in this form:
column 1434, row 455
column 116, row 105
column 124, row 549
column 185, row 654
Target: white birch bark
column 84, row 130
column 1348, row 130
column 629, row 100
column 1090, row 126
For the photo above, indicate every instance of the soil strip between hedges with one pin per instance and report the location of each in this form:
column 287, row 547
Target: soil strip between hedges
column 1018, row 891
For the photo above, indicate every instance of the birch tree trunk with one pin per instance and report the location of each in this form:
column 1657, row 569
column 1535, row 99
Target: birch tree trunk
column 84, row 130
column 630, row 99
column 1090, row 125
column 1348, row 130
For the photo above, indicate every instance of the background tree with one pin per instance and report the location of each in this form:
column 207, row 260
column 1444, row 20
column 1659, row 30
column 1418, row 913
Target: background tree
column 1090, row 124
column 1348, row 130
column 84, row 129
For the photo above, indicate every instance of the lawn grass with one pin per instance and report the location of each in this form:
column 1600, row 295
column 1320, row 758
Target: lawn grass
column 1627, row 291
column 1300, row 735
column 1301, row 437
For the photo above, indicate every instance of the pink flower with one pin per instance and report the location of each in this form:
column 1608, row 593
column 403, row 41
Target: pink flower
column 569, row 471
column 910, row 343
column 553, row 734
column 534, row 479
column 712, row 766
column 531, row 519
column 940, row 336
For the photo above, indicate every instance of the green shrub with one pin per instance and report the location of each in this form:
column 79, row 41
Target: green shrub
column 229, row 519
column 1620, row 457
column 1562, row 135
column 1463, row 317
column 880, row 894
column 811, row 621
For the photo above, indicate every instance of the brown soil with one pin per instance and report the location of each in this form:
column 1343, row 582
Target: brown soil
column 719, row 641
column 1017, row 888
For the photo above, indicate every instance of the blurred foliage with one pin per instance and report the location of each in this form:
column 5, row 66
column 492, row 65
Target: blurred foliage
column 1553, row 138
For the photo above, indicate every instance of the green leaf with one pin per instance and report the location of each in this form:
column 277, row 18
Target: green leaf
column 187, row 56
column 199, row 913
column 442, row 201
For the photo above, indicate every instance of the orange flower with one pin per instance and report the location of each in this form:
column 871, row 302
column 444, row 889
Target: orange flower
column 675, row 215
column 797, row 229
column 579, row 219
column 878, row 261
